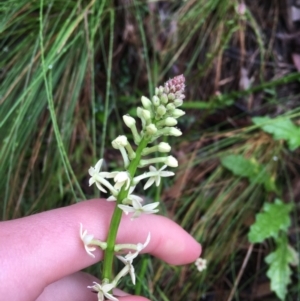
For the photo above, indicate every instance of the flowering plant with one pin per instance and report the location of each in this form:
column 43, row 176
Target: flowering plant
column 158, row 118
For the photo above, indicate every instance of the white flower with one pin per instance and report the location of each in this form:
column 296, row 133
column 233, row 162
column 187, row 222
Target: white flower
column 103, row 291
column 96, row 175
column 127, row 260
column 138, row 209
column 121, row 178
column 86, row 239
column 201, row 264
column 139, row 248
column 158, row 174
column 129, row 198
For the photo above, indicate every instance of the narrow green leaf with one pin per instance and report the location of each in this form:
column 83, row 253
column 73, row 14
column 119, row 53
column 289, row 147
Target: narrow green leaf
column 281, row 129
column 279, row 271
column 274, row 217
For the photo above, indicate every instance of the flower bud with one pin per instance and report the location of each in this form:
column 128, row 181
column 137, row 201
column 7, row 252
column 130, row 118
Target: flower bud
column 156, row 91
column 155, row 101
column 151, row 129
column 139, row 111
column 128, row 120
column 164, row 99
column 164, row 147
column 161, row 110
column 177, row 113
column 166, row 90
column 161, row 90
column 171, row 161
column 175, row 132
column 171, row 96
column 178, row 102
column 146, row 103
column 170, row 107
column 146, row 114
column 170, row 121
column 121, row 141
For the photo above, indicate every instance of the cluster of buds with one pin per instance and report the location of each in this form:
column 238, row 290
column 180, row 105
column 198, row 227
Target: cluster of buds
column 158, row 118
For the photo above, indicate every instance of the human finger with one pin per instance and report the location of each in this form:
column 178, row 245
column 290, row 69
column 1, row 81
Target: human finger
column 74, row 288
column 46, row 247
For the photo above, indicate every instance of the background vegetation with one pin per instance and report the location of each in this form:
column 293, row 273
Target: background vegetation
column 70, row 69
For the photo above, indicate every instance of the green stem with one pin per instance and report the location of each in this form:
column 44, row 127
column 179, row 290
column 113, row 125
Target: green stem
column 116, row 218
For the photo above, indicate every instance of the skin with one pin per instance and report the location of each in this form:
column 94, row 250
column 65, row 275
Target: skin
column 41, row 255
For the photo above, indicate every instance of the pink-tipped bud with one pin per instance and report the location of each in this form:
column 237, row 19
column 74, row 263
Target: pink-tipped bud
column 176, row 84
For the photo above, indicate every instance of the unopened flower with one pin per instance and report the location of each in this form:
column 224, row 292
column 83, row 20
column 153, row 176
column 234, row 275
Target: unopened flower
column 119, row 142
column 151, row 129
column 147, row 104
column 177, row 113
column 176, row 84
column 171, row 161
column 137, row 209
column 103, row 291
column 155, row 101
column 169, row 131
column 241, row 8
column 86, row 239
column 164, row 99
column 164, row 147
column 201, row 264
column 129, row 121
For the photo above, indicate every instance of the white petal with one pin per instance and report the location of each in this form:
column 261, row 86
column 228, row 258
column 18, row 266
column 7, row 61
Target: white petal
column 100, row 187
column 167, row 174
column 151, row 206
column 135, row 197
column 141, row 246
column 149, row 183
column 80, row 231
column 91, row 181
column 136, row 204
column 147, row 240
column 119, row 185
column 136, row 214
column 110, row 297
column 112, row 174
column 98, row 165
column 131, row 190
column 126, row 208
column 128, row 183
column 123, row 259
column 91, row 171
column 157, row 180
column 89, row 250
column 164, row 167
column 152, row 168
column 132, row 274
column 111, row 198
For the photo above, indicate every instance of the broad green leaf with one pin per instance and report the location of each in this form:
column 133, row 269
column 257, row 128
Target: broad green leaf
column 240, row 166
column 279, row 271
column 274, row 217
column 280, row 129
column 250, row 169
